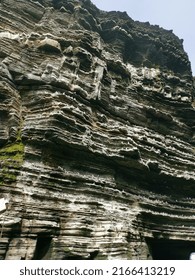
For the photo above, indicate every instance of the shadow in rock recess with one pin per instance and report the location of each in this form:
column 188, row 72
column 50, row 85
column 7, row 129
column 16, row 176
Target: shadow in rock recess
column 162, row 249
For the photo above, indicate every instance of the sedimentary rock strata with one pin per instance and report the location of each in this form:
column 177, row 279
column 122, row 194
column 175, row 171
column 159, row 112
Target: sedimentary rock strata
column 97, row 155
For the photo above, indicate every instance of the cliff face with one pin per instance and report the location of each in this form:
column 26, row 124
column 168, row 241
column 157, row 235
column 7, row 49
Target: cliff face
column 97, row 122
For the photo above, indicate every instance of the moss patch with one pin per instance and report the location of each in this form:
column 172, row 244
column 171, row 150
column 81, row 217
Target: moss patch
column 11, row 159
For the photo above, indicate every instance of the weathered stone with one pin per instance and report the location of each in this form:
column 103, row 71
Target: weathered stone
column 97, row 150
column 48, row 44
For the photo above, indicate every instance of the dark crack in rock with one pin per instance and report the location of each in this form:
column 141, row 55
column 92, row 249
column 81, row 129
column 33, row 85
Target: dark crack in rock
column 97, row 143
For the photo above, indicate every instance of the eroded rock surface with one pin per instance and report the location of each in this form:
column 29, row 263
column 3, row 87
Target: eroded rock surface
column 97, row 139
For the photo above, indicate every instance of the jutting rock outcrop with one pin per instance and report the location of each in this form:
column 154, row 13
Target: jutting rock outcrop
column 97, row 154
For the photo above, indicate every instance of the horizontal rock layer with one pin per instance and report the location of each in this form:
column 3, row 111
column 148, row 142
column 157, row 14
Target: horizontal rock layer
column 97, row 139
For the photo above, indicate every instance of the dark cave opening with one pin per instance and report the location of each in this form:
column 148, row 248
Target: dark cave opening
column 42, row 247
column 166, row 249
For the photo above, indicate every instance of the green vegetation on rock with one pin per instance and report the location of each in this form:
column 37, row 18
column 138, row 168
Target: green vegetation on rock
column 11, row 158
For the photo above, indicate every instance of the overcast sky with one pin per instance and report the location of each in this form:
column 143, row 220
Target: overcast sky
column 178, row 15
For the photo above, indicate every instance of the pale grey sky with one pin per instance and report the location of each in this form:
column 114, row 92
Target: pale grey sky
column 178, row 15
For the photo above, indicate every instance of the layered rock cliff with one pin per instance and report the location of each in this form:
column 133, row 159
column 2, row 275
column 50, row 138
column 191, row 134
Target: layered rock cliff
column 97, row 154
